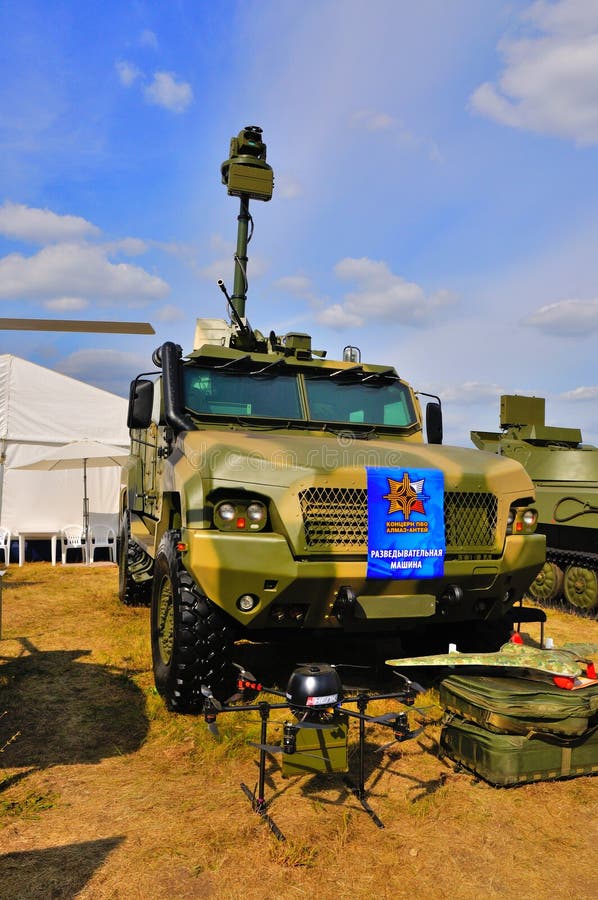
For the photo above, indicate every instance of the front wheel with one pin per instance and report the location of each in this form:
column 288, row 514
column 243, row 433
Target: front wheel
column 191, row 638
column 131, row 592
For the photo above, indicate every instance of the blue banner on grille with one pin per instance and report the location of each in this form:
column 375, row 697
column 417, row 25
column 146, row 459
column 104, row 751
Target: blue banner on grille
column 405, row 523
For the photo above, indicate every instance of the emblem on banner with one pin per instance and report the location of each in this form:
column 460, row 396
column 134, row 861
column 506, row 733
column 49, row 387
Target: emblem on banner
column 405, row 523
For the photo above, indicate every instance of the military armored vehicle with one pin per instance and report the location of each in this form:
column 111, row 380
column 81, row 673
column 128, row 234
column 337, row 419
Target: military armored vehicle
column 565, row 474
column 249, row 508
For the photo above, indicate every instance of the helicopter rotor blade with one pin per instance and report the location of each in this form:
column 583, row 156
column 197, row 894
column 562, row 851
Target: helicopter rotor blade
column 76, row 325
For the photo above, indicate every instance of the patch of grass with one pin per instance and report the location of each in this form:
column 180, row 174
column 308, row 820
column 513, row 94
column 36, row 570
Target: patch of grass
column 28, row 807
column 153, row 802
column 292, row 854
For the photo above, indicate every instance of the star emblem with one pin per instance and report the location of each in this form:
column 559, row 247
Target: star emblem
column 403, row 497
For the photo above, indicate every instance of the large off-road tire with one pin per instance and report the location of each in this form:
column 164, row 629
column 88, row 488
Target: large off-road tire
column 191, row 638
column 131, row 592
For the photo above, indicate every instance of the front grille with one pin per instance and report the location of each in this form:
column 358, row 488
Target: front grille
column 337, row 519
column 470, row 520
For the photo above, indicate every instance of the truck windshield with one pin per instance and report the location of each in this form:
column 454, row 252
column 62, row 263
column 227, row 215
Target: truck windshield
column 380, row 402
column 211, row 392
column 367, row 400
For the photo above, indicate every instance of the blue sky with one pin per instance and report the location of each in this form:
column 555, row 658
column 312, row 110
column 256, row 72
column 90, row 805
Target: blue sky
column 436, row 198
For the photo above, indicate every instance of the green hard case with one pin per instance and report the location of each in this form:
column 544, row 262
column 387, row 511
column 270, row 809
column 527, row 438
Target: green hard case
column 510, row 759
column 520, row 705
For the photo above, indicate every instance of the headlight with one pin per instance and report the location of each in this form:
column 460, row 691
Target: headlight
column 530, row 517
column 522, row 520
column 240, row 515
column 256, row 512
column 226, row 511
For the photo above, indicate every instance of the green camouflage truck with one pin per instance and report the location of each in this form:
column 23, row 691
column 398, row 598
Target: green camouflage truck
column 249, row 511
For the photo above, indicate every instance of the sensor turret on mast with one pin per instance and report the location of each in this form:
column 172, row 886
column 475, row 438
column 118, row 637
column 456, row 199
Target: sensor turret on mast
column 248, row 176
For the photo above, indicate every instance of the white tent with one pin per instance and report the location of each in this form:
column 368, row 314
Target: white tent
column 40, row 410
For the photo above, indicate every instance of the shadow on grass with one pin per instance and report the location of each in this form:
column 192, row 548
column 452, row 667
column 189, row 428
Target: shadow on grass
column 55, row 871
column 60, row 710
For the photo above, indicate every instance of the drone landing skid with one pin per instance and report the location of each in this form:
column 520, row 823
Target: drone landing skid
column 259, row 805
column 360, row 793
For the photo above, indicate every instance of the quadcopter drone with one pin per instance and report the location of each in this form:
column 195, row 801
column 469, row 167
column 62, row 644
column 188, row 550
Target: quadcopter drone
column 315, row 739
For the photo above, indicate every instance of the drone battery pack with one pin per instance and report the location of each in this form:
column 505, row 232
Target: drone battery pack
column 319, row 750
column 510, row 759
column 520, row 705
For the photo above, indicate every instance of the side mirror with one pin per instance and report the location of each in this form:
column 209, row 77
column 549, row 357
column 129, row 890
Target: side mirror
column 141, row 401
column 434, row 423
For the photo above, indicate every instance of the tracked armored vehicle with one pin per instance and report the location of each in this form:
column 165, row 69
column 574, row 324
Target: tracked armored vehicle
column 565, row 474
column 261, row 471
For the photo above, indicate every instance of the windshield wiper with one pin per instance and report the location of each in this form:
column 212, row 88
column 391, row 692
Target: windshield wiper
column 235, row 361
column 270, row 369
column 387, row 375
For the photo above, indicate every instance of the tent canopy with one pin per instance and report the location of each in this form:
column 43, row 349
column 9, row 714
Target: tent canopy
column 42, row 410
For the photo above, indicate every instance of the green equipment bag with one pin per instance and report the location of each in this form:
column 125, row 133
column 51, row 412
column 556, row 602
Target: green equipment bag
column 520, row 705
column 509, row 759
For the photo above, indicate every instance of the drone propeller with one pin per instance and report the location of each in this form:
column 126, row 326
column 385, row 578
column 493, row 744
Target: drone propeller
column 410, row 685
column 400, row 726
column 211, row 708
column 78, row 325
column 269, row 748
column 404, row 737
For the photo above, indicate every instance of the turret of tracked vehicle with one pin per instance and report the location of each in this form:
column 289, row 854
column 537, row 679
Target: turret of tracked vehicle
column 565, row 474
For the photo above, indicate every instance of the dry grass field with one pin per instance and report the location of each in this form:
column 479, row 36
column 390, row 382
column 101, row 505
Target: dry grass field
column 103, row 794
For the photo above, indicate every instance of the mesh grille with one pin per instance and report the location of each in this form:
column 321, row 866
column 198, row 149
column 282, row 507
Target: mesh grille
column 335, row 517
column 470, row 519
column 338, row 518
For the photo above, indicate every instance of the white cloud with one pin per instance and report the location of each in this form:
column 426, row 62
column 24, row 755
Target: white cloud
column 170, row 313
column 372, row 121
column 549, row 83
column 42, row 226
column 287, row 187
column 127, row 72
column 402, row 136
column 166, row 91
column 129, row 246
column 471, row 393
column 300, row 285
column 111, row 370
column 566, row 318
column 581, row 393
column 382, row 295
column 63, row 270
column 66, row 304
column 148, row 38
column 336, row 316
column 223, row 267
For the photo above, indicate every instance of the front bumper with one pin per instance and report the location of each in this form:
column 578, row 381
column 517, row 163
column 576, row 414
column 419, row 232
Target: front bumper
column 226, row 566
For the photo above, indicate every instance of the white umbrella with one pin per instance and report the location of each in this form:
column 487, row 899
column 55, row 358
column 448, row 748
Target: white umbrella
column 80, row 455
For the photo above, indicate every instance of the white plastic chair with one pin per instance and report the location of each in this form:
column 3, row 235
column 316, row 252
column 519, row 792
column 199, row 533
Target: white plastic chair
column 71, row 538
column 102, row 536
column 5, row 544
